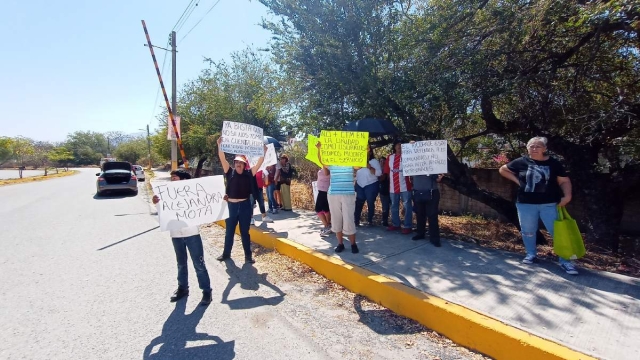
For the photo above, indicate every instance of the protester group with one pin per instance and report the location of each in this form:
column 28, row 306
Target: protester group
column 349, row 177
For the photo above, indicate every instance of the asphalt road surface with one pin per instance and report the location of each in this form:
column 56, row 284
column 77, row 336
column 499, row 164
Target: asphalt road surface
column 90, row 278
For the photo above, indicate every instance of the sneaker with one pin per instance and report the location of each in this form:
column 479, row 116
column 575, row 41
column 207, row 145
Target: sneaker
column 569, row 268
column 392, row 228
column 253, row 221
column 418, row 237
column 249, row 261
column 275, row 211
column 179, row 294
column 223, row 258
column 406, row 231
column 354, row 249
column 325, row 232
column 436, row 243
column 267, row 219
column 206, row 298
column 529, row 259
column 339, row 248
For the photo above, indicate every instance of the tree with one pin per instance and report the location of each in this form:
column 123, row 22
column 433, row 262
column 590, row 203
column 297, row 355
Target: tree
column 132, row 150
column 478, row 71
column 60, row 156
column 40, row 156
column 6, row 149
column 87, row 147
column 245, row 90
column 22, row 149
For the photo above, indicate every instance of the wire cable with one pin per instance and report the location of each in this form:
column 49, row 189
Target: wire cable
column 205, row 15
column 181, row 16
column 187, row 16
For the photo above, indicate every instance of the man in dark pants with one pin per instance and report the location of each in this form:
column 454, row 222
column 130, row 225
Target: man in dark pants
column 385, row 198
column 426, row 199
column 188, row 239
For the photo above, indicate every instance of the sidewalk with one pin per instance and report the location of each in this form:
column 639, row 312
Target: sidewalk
column 596, row 313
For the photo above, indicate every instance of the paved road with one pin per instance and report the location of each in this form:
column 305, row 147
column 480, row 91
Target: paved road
column 90, row 278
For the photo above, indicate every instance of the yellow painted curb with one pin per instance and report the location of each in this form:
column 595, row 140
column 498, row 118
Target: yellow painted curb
column 465, row 327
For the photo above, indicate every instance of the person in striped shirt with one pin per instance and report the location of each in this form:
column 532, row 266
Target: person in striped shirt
column 342, row 203
column 399, row 189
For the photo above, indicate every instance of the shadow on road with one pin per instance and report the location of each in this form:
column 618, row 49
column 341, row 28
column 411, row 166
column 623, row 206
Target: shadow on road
column 249, row 279
column 180, row 340
column 114, row 195
column 129, row 238
column 385, row 322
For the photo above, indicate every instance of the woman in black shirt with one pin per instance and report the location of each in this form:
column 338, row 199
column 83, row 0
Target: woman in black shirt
column 238, row 190
column 543, row 186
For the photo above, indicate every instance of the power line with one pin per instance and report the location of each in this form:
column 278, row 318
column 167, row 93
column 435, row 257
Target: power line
column 187, row 16
column 205, row 15
column 181, row 16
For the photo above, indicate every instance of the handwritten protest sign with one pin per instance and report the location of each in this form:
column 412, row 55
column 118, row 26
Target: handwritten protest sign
column 270, row 158
column 243, row 139
column 344, row 148
column 191, row 202
column 424, row 158
column 314, row 186
column 312, row 150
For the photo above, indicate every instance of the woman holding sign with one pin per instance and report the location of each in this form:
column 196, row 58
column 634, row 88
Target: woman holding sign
column 238, row 191
column 342, row 203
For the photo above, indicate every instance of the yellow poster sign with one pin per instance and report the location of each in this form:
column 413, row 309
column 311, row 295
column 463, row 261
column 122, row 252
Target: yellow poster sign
column 344, row 148
column 312, row 150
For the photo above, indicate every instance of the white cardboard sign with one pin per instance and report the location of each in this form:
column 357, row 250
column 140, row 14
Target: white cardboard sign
column 243, row 139
column 424, row 158
column 270, row 158
column 191, row 202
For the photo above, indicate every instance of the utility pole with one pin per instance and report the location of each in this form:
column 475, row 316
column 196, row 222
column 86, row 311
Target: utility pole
column 174, row 100
column 149, row 145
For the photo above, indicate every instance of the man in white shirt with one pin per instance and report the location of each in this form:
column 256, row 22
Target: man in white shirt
column 367, row 188
column 188, row 239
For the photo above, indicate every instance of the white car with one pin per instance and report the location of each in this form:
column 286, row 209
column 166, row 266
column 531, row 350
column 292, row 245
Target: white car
column 139, row 171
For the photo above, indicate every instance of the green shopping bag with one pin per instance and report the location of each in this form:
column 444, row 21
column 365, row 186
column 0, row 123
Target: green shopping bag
column 567, row 240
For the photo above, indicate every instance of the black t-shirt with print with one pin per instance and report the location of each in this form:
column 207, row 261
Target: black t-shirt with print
column 538, row 180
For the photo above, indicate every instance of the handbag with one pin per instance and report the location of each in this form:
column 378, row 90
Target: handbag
column 422, row 195
column 567, row 240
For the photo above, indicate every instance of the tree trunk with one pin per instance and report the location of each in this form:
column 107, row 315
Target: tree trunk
column 201, row 161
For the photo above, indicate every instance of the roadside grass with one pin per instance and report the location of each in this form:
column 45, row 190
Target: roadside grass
column 37, row 178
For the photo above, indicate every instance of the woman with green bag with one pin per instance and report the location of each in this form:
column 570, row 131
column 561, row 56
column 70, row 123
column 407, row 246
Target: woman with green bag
column 543, row 186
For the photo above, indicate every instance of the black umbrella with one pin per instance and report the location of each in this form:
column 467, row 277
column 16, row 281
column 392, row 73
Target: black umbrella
column 375, row 127
column 269, row 140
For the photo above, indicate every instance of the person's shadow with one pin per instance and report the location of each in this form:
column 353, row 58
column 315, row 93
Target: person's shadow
column 178, row 330
column 249, row 279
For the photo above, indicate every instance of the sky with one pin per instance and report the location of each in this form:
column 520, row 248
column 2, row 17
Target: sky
column 71, row 66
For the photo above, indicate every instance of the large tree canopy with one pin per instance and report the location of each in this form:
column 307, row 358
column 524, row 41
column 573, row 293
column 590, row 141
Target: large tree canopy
column 496, row 72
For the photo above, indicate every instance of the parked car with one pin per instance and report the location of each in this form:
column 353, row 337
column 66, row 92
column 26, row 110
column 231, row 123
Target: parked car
column 139, row 172
column 116, row 176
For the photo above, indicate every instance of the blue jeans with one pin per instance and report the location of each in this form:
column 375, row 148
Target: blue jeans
column 258, row 196
column 529, row 216
column 395, row 209
column 194, row 245
column 239, row 213
column 366, row 194
column 271, row 196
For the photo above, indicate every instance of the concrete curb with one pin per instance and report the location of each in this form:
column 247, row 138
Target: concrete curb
column 463, row 326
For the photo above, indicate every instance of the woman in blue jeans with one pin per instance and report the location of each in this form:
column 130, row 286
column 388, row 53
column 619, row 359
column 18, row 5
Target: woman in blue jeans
column 237, row 195
column 543, row 185
column 367, row 188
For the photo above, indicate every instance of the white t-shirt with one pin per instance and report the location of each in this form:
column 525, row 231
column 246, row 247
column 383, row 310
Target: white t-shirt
column 364, row 176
